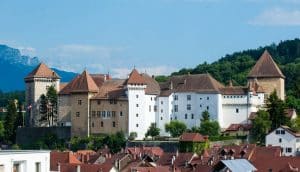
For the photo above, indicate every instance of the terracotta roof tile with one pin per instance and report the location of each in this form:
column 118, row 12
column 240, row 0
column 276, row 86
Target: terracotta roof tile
column 135, row 78
column 236, row 127
column 265, row 67
column 42, row 70
column 61, row 157
column 192, row 137
column 152, row 85
column 111, row 89
column 234, row 90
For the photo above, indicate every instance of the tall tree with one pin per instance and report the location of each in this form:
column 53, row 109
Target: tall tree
column 44, row 116
column 9, row 121
column 261, row 125
column 276, row 109
column 208, row 127
column 175, row 128
column 52, row 100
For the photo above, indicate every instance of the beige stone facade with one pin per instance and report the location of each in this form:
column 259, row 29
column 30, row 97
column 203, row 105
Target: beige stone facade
column 109, row 116
column 271, row 84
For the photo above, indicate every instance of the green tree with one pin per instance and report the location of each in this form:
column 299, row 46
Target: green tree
column 132, row 135
column 205, row 116
column 296, row 124
column 276, row 109
column 1, row 131
column 261, row 125
column 115, row 142
column 208, row 127
column 175, row 128
column 9, row 121
column 152, row 131
column 44, row 115
column 52, row 100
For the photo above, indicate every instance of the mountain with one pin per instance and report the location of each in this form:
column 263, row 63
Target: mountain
column 14, row 67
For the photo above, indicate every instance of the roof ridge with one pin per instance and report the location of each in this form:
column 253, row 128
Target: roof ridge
column 42, row 70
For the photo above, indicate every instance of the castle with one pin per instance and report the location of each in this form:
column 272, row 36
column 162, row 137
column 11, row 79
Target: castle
column 96, row 103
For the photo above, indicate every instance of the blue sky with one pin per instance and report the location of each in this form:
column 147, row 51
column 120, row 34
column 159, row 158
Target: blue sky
column 156, row 36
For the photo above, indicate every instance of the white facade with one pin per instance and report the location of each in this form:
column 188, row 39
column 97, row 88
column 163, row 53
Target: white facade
column 24, row 161
column 139, row 117
column 288, row 141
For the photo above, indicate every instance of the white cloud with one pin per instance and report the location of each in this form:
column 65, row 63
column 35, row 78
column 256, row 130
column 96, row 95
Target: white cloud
column 152, row 70
column 277, row 17
column 30, row 51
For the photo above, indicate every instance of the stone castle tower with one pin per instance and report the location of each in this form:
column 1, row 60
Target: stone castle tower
column 37, row 82
column 268, row 75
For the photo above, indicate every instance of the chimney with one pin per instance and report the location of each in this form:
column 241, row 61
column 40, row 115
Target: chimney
column 153, row 77
column 58, row 167
column 185, row 163
column 78, row 168
column 117, row 163
column 230, row 83
column 171, row 85
column 177, row 153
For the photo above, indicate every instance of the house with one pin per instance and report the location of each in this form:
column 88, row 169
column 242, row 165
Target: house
column 193, row 142
column 286, row 138
column 237, row 130
column 24, row 161
column 236, row 165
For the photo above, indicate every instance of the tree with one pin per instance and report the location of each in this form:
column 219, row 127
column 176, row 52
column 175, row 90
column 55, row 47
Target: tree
column 9, row 121
column 175, row 128
column 207, row 127
column 276, row 109
column 261, row 126
column 152, row 131
column 132, row 135
column 205, row 116
column 44, row 116
column 296, row 124
column 1, row 131
column 52, row 100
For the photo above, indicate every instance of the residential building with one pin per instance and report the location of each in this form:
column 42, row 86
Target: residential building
column 286, row 138
column 24, row 161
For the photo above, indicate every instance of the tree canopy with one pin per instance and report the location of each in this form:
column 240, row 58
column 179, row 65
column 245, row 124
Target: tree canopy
column 175, row 128
column 261, row 125
column 152, row 131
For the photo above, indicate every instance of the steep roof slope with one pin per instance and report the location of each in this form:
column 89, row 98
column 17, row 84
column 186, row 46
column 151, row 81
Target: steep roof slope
column 265, row 67
column 42, row 71
column 152, row 85
column 135, row 78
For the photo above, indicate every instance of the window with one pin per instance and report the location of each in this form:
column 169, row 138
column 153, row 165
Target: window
column 176, row 97
column 137, row 115
column 200, row 105
column 77, row 114
column 161, row 111
column 137, row 125
column 237, row 110
column 121, row 113
column 192, row 116
column 113, row 114
column 175, row 108
column 137, row 96
column 200, row 98
column 98, row 102
column 47, row 87
column 108, row 114
column 188, row 97
column 277, row 131
column 185, row 116
column 149, row 108
column 282, row 132
column 161, row 118
column 98, row 114
column 101, row 124
column 207, row 107
column 16, row 167
column 114, row 124
column 79, row 102
column 37, row 166
column 151, row 98
column 279, row 140
column 155, row 108
column 137, row 105
column 188, row 107
column 94, row 114
column 207, row 98
column 103, row 114
column 288, row 150
column 175, row 117
column 92, row 124
column 113, row 101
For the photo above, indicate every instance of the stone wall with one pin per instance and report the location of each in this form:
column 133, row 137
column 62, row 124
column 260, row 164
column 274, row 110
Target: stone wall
column 28, row 135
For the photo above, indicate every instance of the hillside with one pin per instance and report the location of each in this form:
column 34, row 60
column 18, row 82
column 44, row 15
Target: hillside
column 14, row 67
column 237, row 65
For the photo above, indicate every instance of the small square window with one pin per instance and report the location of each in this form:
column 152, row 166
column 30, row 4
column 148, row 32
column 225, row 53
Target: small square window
column 137, row 125
column 237, row 110
column 175, row 108
column 277, row 132
column 192, row 116
column 161, row 118
column 161, row 111
column 92, row 124
column 114, row 124
column 98, row 114
column 79, row 102
column 188, row 97
column 207, row 107
column 207, row 98
column 137, row 96
column 137, row 115
column 176, row 97
column 121, row 113
column 98, row 102
column 188, row 107
column 77, row 114
column 137, row 105
column 101, row 124
column 282, row 132
column 280, row 140
column 161, row 102
column 185, row 116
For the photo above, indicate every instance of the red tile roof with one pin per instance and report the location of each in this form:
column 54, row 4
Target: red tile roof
column 265, row 67
column 237, row 127
column 135, row 78
column 61, row 157
column 42, row 71
column 192, row 137
column 145, row 150
column 152, row 85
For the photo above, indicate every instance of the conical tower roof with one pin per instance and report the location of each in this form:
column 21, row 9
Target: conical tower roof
column 265, row 67
column 135, row 78
column 42, row 71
